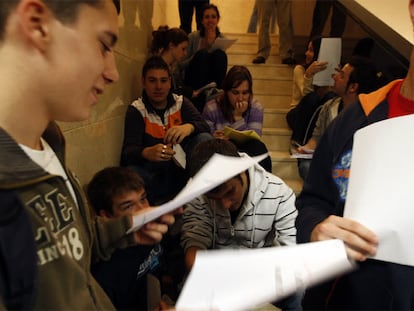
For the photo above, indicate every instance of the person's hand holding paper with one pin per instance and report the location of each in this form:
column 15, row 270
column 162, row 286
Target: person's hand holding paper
column 360, row 242
column 152, row 232
column 380, row 193
column 217, row 170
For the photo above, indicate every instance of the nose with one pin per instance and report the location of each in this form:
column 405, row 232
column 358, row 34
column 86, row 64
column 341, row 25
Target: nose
column 110, row 73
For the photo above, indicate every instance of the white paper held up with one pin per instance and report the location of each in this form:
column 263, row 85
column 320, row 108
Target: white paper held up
column 179, row 156
column 380, row 189
column 222, row 44
column 330, row 51
column 227, row 279
column 216, row 171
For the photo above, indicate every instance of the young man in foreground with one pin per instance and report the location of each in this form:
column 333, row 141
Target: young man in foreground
column 56, row 59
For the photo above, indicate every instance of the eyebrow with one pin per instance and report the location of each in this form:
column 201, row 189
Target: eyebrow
column 123, row 203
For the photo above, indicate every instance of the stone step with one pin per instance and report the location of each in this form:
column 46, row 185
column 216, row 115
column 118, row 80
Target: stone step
column 251, row 48
column 273, row 101
column 268, row 71
column 283, row 165
column 252, row 38
column 295, row 184
column 276, row 139
column 246, row 59
column 275, row 117
column 272, row 86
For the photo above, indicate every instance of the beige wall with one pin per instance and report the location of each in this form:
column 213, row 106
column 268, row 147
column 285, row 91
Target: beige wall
column 95, row 144
column 235, row 16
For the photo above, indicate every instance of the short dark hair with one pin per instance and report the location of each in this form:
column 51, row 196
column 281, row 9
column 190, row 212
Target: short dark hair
column 111, row 182
column 64, row 10
column 364, row 73
column 203, row 151
column 155, row 62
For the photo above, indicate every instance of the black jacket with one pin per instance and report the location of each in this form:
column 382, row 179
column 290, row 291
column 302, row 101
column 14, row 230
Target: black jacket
column 375, row 285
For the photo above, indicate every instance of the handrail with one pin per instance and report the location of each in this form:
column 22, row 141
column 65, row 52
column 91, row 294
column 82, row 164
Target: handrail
column 395, row 45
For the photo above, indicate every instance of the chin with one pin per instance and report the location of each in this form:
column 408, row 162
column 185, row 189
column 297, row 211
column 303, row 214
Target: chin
column 75, row 117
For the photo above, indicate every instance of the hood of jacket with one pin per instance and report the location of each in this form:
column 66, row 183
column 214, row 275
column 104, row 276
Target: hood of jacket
column 16, row 167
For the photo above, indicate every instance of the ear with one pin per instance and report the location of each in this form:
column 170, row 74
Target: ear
column 35, row 19
column 104, row 213
column 353, row 87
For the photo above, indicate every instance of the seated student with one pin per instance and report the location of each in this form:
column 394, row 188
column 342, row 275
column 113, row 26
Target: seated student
column 357, row 76
column 172, row 44
column 254, row 209
column 154, row 124
column 237, row 109
column 203, row 66
column 114, row 192
column 303, row 73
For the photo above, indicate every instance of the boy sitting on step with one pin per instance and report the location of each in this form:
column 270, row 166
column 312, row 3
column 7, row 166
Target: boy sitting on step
column 114, row 192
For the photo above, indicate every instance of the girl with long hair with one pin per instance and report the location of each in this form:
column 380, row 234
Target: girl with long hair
column 236, row 108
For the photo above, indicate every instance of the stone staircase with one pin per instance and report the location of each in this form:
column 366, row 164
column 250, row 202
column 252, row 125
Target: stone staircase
column 272, row 86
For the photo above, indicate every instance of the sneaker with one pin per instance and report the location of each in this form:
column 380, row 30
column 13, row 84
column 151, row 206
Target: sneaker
column 259, row 60
column 213, row 93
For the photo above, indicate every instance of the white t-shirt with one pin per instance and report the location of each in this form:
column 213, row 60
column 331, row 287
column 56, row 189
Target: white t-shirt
column 48, row 160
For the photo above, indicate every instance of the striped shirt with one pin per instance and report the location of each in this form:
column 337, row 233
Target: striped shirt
column 267, row 218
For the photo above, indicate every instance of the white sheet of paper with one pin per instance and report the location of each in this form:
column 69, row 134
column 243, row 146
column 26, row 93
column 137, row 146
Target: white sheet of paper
column 330, row 51
column 222, row 44
column 298, row 155
column 245, row 278
column 216, row 171
column 380, row 189
column 179, row 155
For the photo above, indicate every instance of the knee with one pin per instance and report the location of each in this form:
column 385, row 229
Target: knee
column 255, row 147
column 219, row 56
column 198, row 138
column 201, row 56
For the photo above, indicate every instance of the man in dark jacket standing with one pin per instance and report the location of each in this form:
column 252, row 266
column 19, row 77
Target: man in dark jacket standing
column 375, row 285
